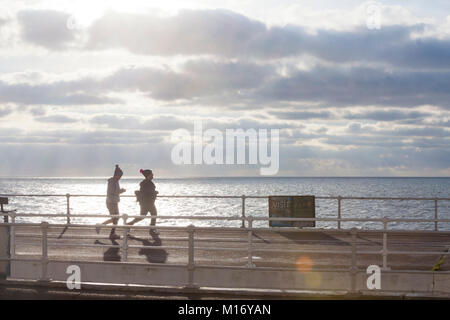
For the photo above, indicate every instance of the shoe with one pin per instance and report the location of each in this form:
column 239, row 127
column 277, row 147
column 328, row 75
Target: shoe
column 155, row 231
column 97, row 228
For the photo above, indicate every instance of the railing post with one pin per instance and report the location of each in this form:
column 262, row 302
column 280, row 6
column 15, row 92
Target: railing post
column 250, row 243
column 191, row 258
column 436, row 214
column 354, row 266
column 68, row 207
column 243, row 211
column 12, row 243
column 339, row 211
column 44, row 258
column 5, row 217
column 126, row 231
column 385, row 244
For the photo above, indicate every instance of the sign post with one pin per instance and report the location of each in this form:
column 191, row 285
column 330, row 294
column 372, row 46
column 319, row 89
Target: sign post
column 292, row 207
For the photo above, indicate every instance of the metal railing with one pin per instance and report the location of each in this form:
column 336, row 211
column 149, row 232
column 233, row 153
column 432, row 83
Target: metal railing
column 250, row 247
column 245, row 197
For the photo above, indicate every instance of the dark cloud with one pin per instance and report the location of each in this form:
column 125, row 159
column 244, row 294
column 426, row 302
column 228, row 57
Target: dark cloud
column 361, row 86
column 387, row 115
column 228, row 34
column 198, row 78
column 252, row 86
column 46, row 28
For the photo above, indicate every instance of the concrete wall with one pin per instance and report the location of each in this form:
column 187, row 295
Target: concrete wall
column 4, row 250
column 430, row 283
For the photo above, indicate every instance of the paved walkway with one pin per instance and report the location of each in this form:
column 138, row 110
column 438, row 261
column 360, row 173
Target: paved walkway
column 68, row 245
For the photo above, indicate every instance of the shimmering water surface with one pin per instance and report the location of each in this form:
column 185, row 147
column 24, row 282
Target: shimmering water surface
column 359, row 187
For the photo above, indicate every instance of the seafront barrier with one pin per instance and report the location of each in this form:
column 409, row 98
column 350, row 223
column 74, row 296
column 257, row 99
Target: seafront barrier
column 281, row 261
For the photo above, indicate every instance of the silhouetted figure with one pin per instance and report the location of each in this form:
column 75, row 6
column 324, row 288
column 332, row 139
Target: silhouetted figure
column 112, row 201
column 146, row 197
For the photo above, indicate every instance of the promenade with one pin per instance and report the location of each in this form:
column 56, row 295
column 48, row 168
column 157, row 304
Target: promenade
column 78, row 243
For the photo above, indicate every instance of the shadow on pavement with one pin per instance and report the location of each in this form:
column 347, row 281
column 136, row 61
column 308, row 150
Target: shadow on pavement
column 112, row 254
column 152, row 255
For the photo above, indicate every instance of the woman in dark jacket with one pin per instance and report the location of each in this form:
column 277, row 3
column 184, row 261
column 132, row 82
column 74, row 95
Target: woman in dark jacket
column 147, row 197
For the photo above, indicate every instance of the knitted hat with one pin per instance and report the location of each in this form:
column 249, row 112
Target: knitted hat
column 118, row 172
column 146, row 173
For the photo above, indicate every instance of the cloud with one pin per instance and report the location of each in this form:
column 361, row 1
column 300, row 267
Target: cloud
column 387, row 115
column 361, row 86
column 46, row 28
column 56, row 119
column 227, row 34
column 4, row 111
column 251, row 85
column 157, row 123
column 54, row 93
column 198, row 78
column 3, row 21
column 302, row 115
column 191, row 32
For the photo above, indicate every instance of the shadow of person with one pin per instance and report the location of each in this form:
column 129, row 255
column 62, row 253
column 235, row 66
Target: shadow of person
column 111, row 254
column 62, row 232
column 152, row 255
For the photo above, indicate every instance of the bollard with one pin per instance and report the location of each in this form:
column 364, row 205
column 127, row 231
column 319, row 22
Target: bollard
column 44, row 258
column 191, row 258
column 12, row 243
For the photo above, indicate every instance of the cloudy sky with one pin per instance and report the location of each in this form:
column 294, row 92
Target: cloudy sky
column 86, row 84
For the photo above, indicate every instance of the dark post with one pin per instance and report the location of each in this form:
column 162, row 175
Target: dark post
column 2, row 202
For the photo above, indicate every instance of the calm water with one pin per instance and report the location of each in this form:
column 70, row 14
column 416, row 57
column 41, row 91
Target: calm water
column 367, row 187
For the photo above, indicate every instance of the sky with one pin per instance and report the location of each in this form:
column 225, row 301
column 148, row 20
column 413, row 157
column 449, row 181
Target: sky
column 356, row 88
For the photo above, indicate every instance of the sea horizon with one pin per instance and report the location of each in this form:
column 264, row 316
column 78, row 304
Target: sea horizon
column 228, row 177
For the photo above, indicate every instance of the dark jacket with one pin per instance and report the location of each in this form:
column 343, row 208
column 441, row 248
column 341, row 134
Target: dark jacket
column 148, row 192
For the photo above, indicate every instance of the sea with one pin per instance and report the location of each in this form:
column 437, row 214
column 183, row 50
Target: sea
column 236, row 186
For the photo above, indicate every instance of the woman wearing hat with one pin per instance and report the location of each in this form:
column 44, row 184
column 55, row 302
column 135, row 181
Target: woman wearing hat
column 147, row 199
column 112, row 201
